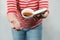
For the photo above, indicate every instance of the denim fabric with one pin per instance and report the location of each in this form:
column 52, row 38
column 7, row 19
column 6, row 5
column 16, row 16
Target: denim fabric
column 28, row 34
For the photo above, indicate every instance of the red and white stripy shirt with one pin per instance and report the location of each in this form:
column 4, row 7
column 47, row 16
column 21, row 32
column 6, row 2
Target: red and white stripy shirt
column 33, row 4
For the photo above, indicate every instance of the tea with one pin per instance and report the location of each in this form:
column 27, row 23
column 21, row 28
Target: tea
column 27, row 13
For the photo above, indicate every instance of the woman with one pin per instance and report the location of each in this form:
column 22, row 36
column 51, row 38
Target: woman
column 30, row 29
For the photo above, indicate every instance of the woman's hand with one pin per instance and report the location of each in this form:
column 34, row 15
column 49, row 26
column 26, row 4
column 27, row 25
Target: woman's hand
column 40, row 16
column 45, row 14
column 14, row 21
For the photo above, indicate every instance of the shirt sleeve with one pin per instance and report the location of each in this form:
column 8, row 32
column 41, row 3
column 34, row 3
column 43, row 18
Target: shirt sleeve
column 43, row 4
column 11, row 6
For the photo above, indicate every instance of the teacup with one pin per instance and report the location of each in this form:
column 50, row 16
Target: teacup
column 29, row 13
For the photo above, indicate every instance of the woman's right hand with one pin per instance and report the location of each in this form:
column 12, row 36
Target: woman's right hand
column 14, row 21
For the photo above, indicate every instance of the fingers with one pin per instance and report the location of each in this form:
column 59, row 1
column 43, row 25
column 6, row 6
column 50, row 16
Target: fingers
column 12, row 26
column 45, row 15
column 15, row 24
column 37, row 17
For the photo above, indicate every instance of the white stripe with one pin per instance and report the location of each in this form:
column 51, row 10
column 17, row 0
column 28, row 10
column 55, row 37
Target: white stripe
column 43, row 3
column 33, row 1
column 33, row 5
column 43, row 0
column 11, row 0
column 23, row 3
column 12, row 10
column 11, row 5
column 23, row 6
column 25, row 0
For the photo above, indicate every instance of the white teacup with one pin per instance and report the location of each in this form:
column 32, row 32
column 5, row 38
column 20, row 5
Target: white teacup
column 29, row 13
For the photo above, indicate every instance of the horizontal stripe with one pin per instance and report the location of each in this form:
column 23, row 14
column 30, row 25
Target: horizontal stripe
column 23, row 6
column 11, row 1
column 11, row 12
column 34, row 7
column 43, row 4
column 28, row 2
column 12, row 8
column 43, row 7
column 24, row 0
column 28, row 5
column 23, row 3
column 33, row 4
column 43, row 1
column 11, row 4
column 31, row 8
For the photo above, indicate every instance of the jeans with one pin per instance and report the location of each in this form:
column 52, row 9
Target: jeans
column 26, row 34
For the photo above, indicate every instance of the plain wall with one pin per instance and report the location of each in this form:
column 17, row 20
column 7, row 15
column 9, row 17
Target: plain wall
column 51, row 25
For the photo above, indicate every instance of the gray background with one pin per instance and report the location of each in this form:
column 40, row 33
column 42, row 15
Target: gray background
column 51, row 25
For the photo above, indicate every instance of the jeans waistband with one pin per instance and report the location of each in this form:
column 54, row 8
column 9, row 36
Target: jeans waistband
column 25, row 29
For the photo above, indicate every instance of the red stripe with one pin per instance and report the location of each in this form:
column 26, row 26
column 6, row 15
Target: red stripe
column 23, row 6
column 12, row 12
column 43, row 4
column 11, row 6
column 24, row 0
column 33, row 4
column 23, row 3
column 43, row 7
column 43, row 1
column 11, row 1
column 12, row 9
column 28, row 2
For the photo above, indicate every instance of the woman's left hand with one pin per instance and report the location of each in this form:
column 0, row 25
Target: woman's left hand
column 45, row 14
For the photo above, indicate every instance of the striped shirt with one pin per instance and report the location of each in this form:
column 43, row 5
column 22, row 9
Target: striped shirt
column 33, row 4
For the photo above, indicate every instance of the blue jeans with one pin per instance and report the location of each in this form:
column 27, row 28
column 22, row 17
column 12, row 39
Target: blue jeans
column 33, row 34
